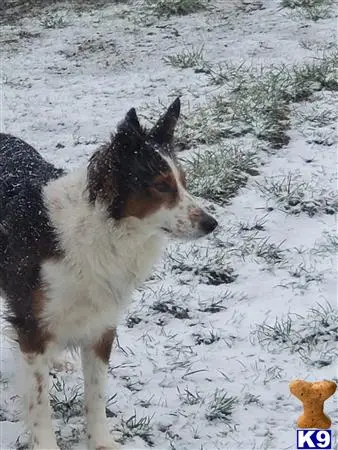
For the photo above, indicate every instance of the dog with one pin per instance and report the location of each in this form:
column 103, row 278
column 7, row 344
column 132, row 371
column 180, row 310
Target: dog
column 75, row 245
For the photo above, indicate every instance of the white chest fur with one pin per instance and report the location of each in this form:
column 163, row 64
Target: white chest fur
column 103, row 263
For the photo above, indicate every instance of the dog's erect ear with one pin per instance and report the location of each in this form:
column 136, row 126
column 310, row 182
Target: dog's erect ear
column 163, row 132
column 130, row 123
column 129, row 133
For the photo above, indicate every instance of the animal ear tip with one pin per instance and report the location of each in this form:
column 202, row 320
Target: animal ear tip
column 131, row 113
column 177, row 104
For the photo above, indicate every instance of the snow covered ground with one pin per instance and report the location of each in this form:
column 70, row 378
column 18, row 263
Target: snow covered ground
column 209, row 344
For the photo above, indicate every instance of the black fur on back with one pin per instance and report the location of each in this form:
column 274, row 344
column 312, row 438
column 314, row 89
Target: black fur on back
column 26, row 236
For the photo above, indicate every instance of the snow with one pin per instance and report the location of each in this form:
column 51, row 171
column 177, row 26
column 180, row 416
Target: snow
column 50, row 97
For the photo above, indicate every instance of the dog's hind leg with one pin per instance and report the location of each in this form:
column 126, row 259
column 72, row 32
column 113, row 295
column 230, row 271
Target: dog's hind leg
column 95, row 360
column 36, row 393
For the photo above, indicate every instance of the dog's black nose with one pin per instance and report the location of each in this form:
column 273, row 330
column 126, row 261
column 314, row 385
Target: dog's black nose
column 207, row 223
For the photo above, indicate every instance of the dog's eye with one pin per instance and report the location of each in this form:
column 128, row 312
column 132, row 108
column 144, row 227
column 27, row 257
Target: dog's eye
column 163, row 187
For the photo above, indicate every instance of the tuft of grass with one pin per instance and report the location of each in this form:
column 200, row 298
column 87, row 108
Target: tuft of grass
column 215, row 305
column 169, row 8
column 253, row 102
column 190, row 57
column 218, row 174
column 250, row 399
column 279, row 333
column 214, row 270
column 318, row 74
column 272, row 253
column 67, row 439
column 133, row 320
column 316, row 116
column 169, row 307
column 304, row 276
column 67, row 402
column 328, row 245
column 221, row 407
column 133, row 427
column 254, row 244
column 189, row 398
column 316, row 333
column 256, row 100
column 310, row 9
column 255, row 225
column 54, row 21
column 207, row 338
column 294, row 196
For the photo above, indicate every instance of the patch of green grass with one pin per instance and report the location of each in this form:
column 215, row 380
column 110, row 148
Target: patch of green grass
column 294, row 196
column 168, row 8
column 272, row 253
column 310, row 9
column 215, row 305
column 318, row 74
column 303, row 275
column 221, row 407
column 190, row 57
column 309, row 336
column 66, row 402
column 316, row 115
column 257, row 224
column 139, row 427
column 254, row 244
column 257, row 100
column 12, row 11
column 218, row 174
column 250, row 399
column 209, row 264
column 54, row 21
column 189, row 398
column 249, row 102
column 68, row 441
column 206, row 338
column 328, row 245
column 213, row 271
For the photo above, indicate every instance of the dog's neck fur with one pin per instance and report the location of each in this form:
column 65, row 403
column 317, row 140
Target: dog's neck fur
column 104, row 260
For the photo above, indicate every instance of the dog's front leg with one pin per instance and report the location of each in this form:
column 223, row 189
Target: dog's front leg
column 37, row 405
column 95, row 358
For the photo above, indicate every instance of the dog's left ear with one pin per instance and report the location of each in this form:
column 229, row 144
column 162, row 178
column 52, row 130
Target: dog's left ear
column 163, row 132
column 130, row 124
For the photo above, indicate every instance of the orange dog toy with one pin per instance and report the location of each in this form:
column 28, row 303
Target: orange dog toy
column 313, row 396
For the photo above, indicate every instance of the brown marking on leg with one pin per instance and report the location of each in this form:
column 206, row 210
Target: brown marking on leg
column 39, row 380
column 103, row 347
column 33, row 340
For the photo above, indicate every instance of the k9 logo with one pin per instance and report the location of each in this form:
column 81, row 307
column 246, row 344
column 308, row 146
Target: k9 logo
column 316, row 439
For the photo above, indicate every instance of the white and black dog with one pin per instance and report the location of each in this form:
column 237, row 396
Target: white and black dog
column 74, row 246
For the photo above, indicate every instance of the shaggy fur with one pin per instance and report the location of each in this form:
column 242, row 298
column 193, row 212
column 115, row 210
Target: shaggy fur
column 74, row 246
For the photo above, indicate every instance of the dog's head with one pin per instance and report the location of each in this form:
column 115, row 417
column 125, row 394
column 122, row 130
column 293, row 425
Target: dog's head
column 137, row 175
